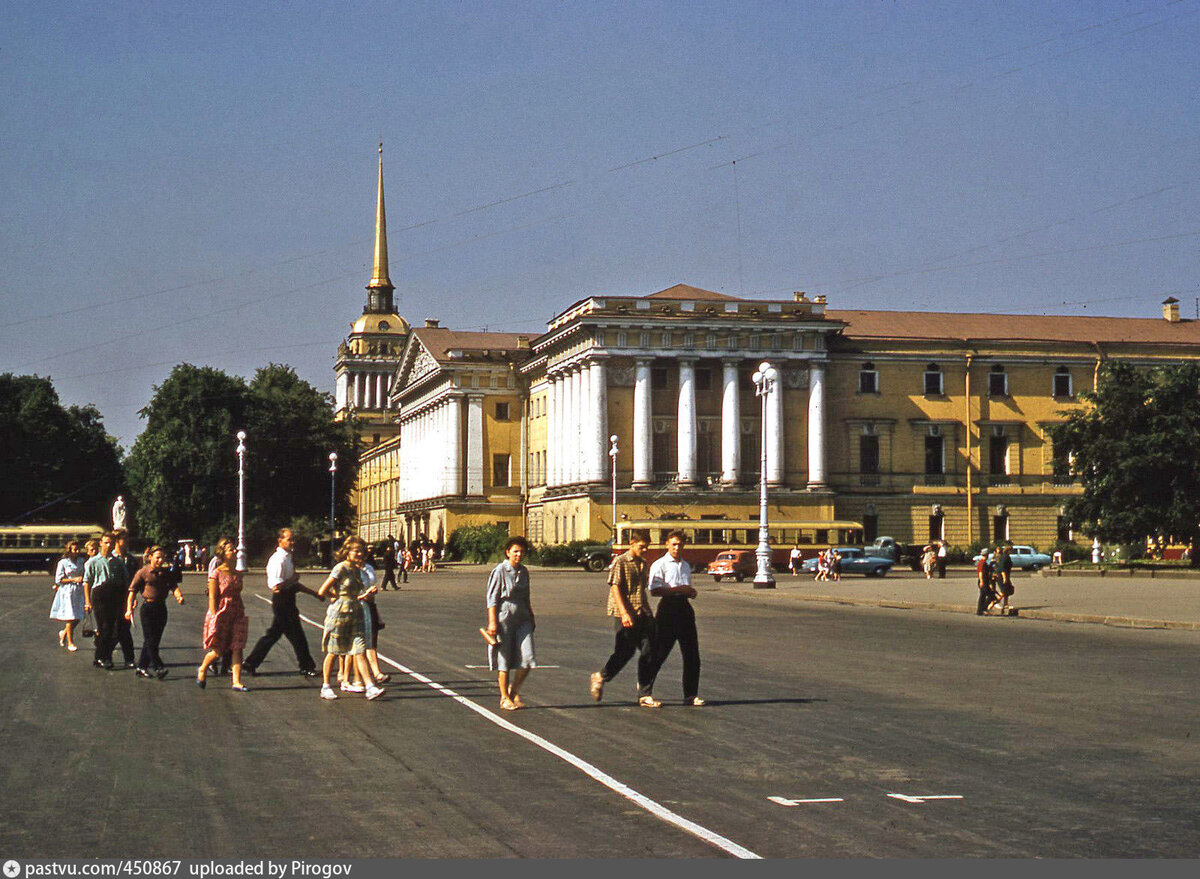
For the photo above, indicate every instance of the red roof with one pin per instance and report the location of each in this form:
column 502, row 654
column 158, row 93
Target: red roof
column 683, row 291
column 440, row 341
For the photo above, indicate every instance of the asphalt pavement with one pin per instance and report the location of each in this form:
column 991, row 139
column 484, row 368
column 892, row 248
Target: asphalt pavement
column 832, row 731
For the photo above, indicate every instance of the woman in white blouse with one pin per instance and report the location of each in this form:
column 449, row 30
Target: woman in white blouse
column 68, row 595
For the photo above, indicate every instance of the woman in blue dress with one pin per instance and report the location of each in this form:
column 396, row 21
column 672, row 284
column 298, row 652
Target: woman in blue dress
column 68, row 595
column 510, row 623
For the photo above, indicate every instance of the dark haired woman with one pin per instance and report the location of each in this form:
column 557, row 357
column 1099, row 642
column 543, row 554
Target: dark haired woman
column 510, row 623
column 345, row 631
column 154, row 582
column 68, row 595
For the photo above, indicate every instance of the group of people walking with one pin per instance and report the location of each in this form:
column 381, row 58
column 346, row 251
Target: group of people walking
column 994, row 571
column 104, row 583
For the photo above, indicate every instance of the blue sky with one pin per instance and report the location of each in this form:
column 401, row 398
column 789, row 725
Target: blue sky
column 196, row 182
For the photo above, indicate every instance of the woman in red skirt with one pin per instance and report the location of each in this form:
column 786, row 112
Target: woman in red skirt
column 225, row 624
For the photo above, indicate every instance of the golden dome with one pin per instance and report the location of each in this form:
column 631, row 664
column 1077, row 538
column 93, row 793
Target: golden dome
column 389, row 324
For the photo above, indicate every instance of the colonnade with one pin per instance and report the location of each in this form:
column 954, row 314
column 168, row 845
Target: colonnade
column 577, row 412
column 361, row 389
column 432, row 460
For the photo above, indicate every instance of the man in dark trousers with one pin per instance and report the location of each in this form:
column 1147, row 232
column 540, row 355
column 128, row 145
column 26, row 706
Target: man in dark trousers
column 130, row 566
column 389, row 565
column 629, row 602
column 284, row 583
column 104, row 588
column 671, row 583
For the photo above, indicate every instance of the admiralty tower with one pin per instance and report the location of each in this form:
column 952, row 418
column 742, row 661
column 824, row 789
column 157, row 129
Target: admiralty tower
column 367, row 358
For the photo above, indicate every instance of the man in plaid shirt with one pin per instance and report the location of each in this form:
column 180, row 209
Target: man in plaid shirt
column 629, row 603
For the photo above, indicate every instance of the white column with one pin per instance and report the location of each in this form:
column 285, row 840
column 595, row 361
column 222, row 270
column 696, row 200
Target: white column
column 643, row 439
column 357, row 390
column 598, row 421
column 569, row 426
column 339, row 393
column 552, row 447
column 380, row 399
column 475, row 460
column 816, row 426
column 776, row 464
column 731, row 424
column 584, row 408
column 453, row 446
column 686, row 422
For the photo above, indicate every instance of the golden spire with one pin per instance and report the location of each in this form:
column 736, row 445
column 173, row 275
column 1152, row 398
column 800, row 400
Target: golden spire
column 379, row 272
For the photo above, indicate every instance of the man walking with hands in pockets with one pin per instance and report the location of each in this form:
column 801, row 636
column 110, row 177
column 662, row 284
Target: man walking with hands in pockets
column 671, row 581
column 629, row 602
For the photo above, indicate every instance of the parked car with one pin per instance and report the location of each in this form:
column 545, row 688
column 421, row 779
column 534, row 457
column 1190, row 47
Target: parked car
column 855, row 561
column 737, row 564
column 596, row 558
column 1024, row 557
column 890, row 548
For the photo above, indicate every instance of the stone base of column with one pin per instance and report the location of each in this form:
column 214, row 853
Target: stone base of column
column 642, row 486
column 817, row 486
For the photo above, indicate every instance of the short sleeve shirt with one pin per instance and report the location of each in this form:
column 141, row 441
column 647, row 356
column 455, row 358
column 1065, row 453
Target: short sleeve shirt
column 629, row 575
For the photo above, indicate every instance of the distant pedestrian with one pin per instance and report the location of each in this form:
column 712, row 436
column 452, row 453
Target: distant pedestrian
column 511, row 623
column 1004, row 581
column 983, row 574
column 795, row 560
column 225, row 625
column 942, row 557
column 129, row 566
column 103, row 590
column 284, row 583
column 406, row 564
column 835, row 564
column 68, row 595
column 389, row 565
column 629, row 603
column 345, row 631
column 928, row 561
column 675, row 620
column 154, row 582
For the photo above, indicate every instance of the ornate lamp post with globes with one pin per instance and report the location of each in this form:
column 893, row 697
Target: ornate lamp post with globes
column 240, row 564
column 332, row 501
column 764, row 384
column 612, row 453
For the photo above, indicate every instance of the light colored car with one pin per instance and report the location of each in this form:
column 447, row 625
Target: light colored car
column 854, row 561
column 1025, row 557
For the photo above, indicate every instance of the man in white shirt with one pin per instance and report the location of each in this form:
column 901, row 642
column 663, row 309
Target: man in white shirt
column 284, row 583
column 671, row 580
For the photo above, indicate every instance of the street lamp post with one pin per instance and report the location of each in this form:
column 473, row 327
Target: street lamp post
column 612, row 453
column 240, row 564
column 764, row 383
column 332, row 501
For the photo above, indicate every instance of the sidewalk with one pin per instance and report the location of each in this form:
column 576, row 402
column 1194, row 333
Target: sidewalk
column 1113, row 600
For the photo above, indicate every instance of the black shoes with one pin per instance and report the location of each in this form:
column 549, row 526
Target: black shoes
column 161, row 673
column 104, row 664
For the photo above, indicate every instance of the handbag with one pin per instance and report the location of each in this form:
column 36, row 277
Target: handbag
column 88, row 628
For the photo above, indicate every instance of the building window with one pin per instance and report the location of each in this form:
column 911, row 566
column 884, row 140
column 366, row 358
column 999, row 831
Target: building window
column 1062, row 382
column 870, row 527
column 997, row 382
column 937, row 527
column 500, row 471
column 933, row 380
column 1065, row 534
column 1000, row 528
column 868, row 454
column 658, row 378
column 666, row 340
column 502, row 412
column 868, row 379
column 998, row 453
column 935, row 452
column 622, row 339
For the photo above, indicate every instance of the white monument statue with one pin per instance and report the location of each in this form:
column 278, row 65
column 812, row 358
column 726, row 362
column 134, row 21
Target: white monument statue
column 118, row 513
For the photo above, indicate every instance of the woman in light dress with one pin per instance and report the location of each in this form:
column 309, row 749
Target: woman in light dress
column 226, row 624
column 68, row 595
column 345, row 632
column 510, row 623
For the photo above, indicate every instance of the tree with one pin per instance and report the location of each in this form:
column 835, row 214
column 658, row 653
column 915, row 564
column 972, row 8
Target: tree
column 60, row 463
column 1135, row 448
column 183, row 468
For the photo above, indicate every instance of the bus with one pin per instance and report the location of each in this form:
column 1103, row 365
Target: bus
column 707, row 537
column 39, row 547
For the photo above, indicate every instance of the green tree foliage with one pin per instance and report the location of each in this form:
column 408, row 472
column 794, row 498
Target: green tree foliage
column 60, row 464
column 478, row 543
column 182, row 470
column 1136, row 449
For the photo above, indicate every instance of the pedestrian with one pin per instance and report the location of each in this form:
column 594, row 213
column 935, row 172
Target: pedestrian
column 406, row 564
column 225, row 549
column 225, row 625
column 345, row 622
column 129, row 566
column 348, row 675
column 1004, row 577
column 284, row 583
column 821, row 573
column 154, row 582
column 928, row 560
column 942, row 556
column 629, row 603
column 983, row 575
column 675, row 620
column 103, row 588
column 389, row 565
column 835, row 564
column 511, row 623
column 68, row 595
column 795, row 559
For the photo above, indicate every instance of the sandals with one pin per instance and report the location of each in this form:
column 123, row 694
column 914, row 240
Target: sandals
column 649, row 702
column 508, row 704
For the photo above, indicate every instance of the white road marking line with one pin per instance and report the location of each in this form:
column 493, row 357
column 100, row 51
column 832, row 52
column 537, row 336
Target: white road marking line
column 784, row 801
column 485, row 666
column 654, row 808
column 909, row 798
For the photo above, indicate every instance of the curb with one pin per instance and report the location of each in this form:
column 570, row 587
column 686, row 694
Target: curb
column 1054, row 616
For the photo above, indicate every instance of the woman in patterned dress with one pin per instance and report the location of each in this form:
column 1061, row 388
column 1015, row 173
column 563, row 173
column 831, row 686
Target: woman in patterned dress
column 225, row 624
column 68, row 595
column 345, row 621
